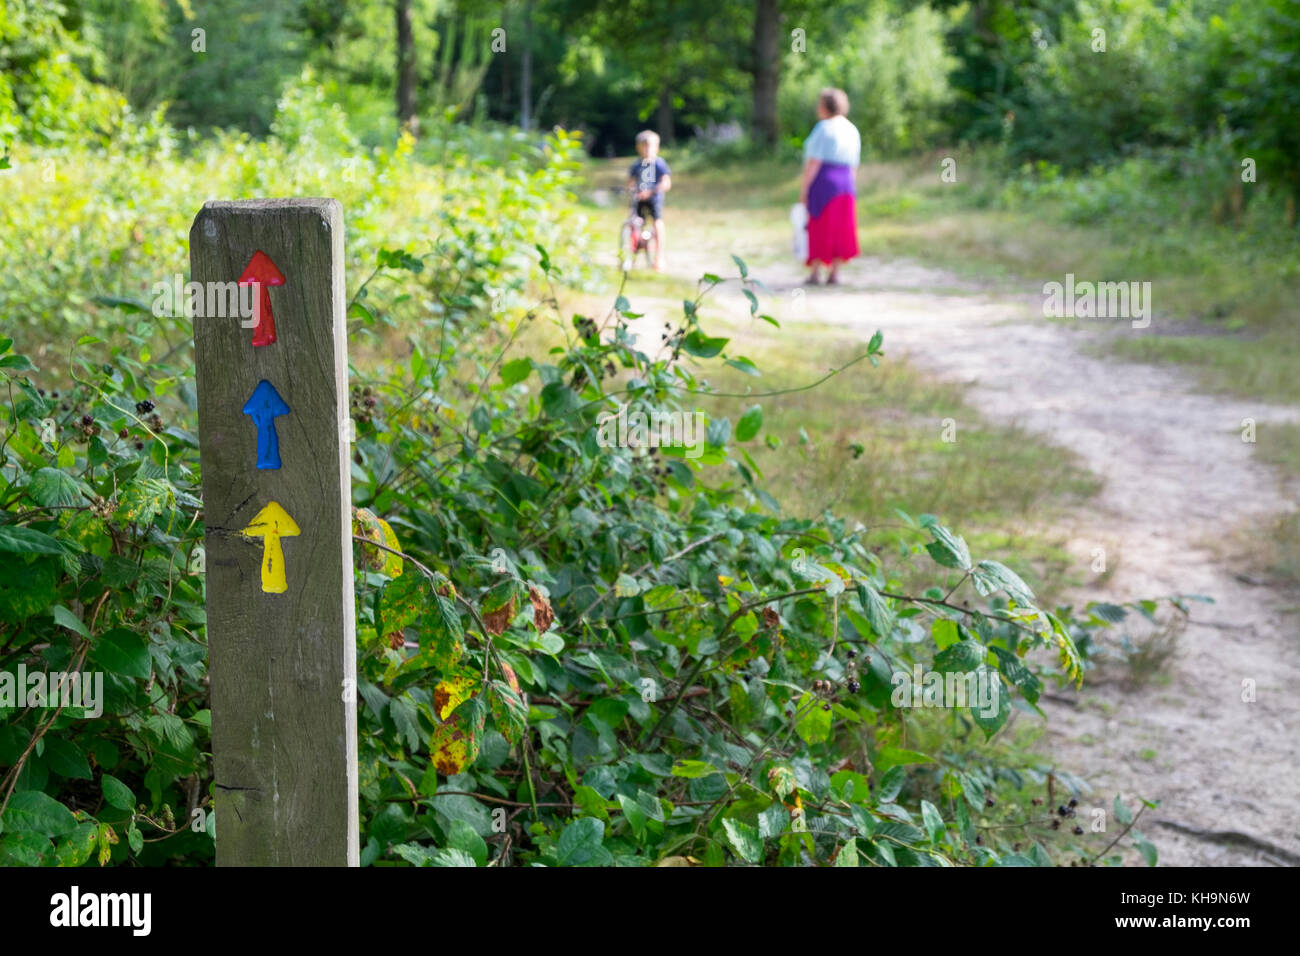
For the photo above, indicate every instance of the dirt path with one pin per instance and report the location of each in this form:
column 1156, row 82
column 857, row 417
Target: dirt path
column 1178, row 480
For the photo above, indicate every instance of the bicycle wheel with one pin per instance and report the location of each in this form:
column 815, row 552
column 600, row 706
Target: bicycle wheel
column 651, row 246
column 626, row 247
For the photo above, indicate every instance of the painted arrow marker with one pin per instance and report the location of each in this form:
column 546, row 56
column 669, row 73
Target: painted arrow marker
column 262, row 272
column 264, row 406
column 271, row 524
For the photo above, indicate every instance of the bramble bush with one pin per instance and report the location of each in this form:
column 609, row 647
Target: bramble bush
column 569, row 654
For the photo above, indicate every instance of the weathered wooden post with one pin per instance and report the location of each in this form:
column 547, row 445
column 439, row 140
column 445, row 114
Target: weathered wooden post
column 276, row 510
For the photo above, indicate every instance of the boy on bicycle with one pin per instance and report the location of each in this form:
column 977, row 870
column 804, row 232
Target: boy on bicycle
column 648, row 178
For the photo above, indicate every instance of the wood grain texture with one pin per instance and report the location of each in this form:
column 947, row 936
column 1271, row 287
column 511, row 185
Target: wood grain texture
column 282, row 666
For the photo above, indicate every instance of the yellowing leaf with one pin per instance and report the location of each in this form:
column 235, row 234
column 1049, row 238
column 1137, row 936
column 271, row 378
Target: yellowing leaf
column 499, row 606
column 543, row 615
column 454, row 745
column 509, row 711
column 451, row 693
column 370, row 526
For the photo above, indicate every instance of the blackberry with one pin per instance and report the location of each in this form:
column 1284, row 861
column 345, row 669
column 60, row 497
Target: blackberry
column 1073, row 802
column 123, row 434
column 989, row 801
column 87, row 420
column 144, row 407
column 1078, row 830
column 854, row 687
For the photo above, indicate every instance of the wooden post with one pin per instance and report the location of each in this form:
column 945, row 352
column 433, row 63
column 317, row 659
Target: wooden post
column 277, row 518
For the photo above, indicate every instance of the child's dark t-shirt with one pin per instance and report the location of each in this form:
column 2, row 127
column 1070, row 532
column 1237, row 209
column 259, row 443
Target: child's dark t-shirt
column 648, row 173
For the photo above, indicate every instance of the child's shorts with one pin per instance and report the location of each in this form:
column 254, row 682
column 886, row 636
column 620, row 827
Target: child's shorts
column 654, row 206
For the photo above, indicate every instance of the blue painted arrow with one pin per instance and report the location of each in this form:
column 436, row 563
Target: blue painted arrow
column 264, row 406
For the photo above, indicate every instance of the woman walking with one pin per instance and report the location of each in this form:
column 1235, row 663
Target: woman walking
column 831, row 154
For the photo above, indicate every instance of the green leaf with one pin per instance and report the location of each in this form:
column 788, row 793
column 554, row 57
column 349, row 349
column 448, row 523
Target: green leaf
column 18, row 363
column 451, row 856
column 580, row 844
column 740, row 264
column 742, row 364
column 948, row 549
column 65, row 618
column 744, row 839
column 896, row 757
column 944, row 632
column 634, row 814
column 66, row 759
column 122, row 652
column 29, row 541
column 512, row 373
column 75, row 848
column 52, row 488
column 403, row 601
column 878, row 613
column 135, row 838
column 814, row 725
column 962, row 657
column 1145, row 847
column 1016, row 672
column 891, row 784
column 701, row 345
column 402, row 710
column 116, row 792
column 750, row 423
column 848, row 855
column 692, row 769
column 38, row 812
column 990, row 576
column 1122, row 812
column 24, row 849
column 933, row 821
column 464, row 837
column 558, row 399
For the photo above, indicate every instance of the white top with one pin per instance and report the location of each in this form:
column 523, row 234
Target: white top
column 834, row 140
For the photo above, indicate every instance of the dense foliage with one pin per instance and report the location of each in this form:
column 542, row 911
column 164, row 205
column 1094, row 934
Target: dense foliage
column 632, row 654
column 628, row 652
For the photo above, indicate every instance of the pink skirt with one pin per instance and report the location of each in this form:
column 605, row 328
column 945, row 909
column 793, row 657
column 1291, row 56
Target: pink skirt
column 834, row 234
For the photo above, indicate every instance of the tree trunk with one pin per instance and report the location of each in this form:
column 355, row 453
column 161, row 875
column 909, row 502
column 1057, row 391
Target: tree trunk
column 405, row 67
column 767, row 70
column 664, row 116
column 526, row 72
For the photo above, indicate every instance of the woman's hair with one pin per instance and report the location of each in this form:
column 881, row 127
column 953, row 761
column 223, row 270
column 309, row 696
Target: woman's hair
column 835, row 101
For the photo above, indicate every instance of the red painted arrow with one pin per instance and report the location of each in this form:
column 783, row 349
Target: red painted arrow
column 262, row 272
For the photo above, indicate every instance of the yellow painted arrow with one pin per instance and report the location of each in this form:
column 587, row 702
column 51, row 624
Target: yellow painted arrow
column 271, row 524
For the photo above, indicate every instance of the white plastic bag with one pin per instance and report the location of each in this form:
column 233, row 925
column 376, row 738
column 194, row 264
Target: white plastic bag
column 799, row 227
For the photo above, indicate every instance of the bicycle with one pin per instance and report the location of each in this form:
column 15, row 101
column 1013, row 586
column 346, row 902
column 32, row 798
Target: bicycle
column 637, row 235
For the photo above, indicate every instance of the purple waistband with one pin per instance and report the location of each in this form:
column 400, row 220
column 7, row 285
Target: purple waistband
column 832, row 179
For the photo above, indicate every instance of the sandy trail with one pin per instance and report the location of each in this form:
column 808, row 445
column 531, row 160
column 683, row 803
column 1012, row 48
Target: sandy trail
column 1178, row 478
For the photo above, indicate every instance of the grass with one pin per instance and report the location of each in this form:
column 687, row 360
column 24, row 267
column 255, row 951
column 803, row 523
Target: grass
column 868, row 441
column 1224, row 297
